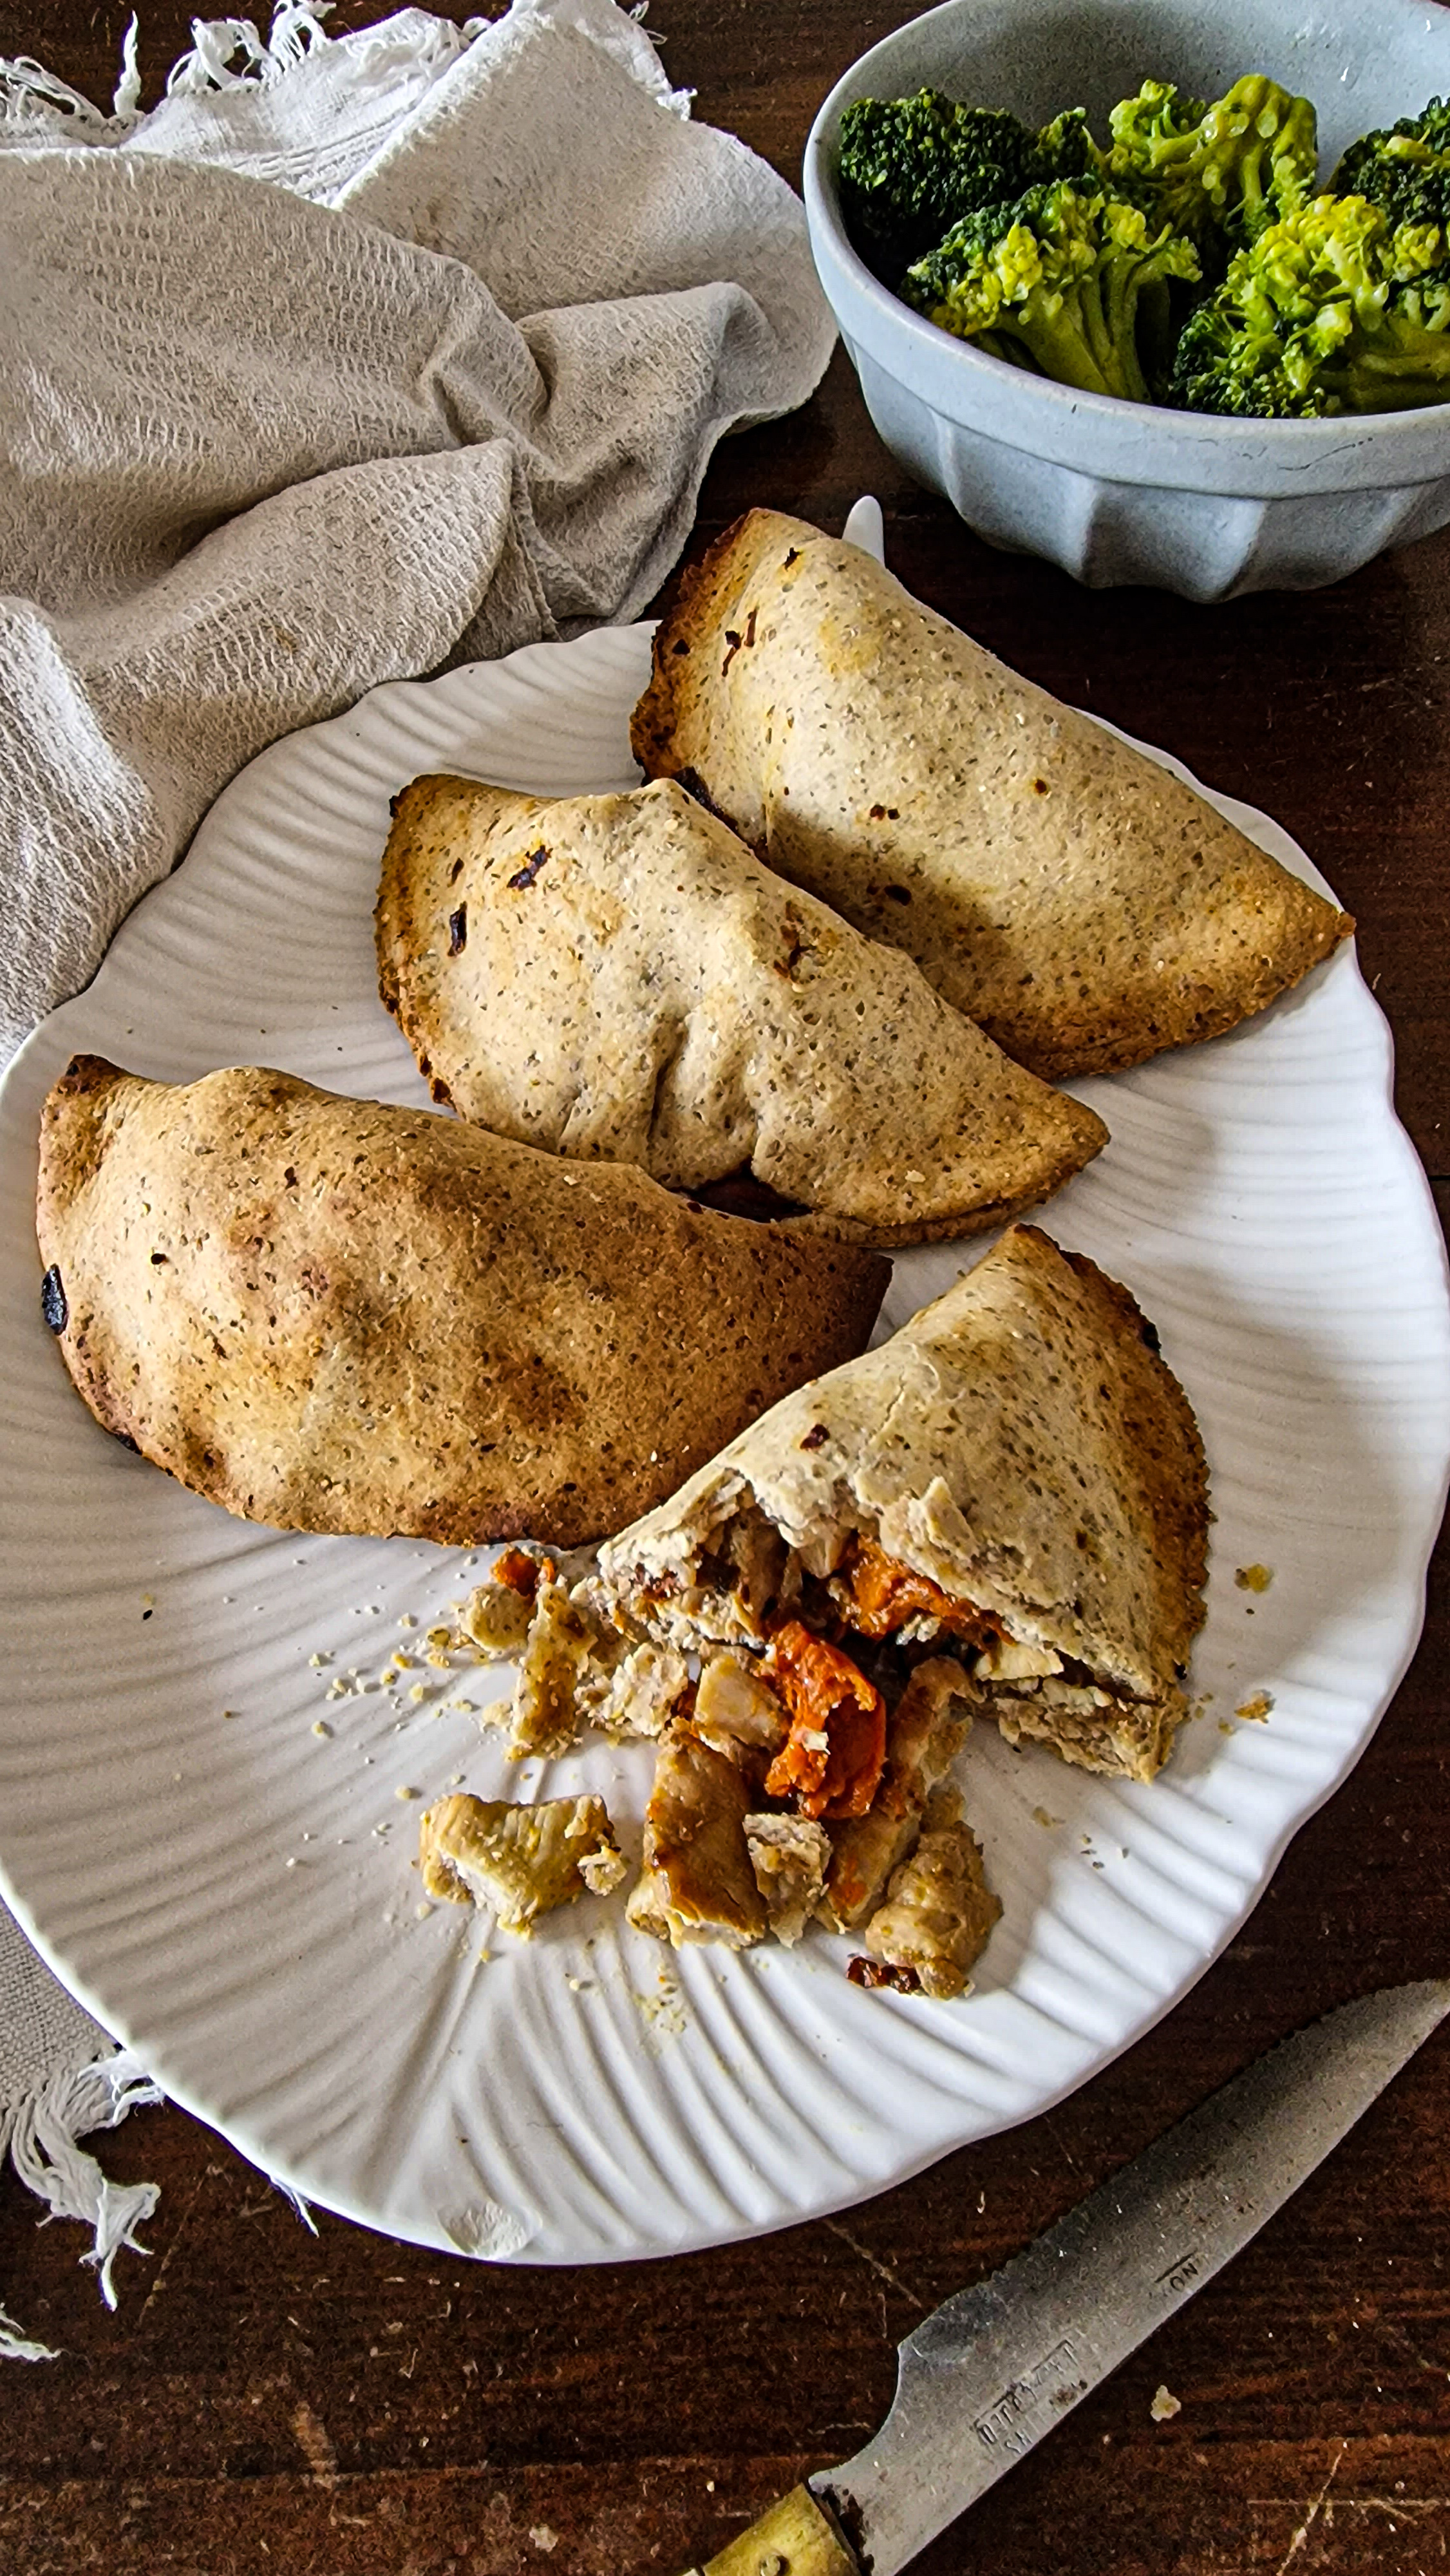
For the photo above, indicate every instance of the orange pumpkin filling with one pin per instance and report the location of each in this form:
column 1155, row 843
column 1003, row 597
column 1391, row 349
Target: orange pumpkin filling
column 832, row 1758
column 883, row 1594
column 520, row 1572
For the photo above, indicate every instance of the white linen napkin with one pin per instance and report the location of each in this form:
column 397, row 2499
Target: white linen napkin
column 350, row 361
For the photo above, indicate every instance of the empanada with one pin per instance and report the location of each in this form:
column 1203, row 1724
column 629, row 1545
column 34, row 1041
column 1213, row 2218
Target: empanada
column 619, row 976
column 333, row 1315
column 1065, row 892
column 1015, row 1478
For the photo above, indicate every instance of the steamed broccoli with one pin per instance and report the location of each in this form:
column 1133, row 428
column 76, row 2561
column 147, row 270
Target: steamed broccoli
column 1057, row 281
column 1403, row 169
column 1081, row 264
column 1334, row 310
column 910, row 168
column 1221, row 173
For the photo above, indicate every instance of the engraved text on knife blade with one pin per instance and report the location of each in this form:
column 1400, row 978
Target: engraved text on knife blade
column 1056, row 2381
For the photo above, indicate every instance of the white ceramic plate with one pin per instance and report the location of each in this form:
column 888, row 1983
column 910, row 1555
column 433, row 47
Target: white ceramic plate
column 232, row 1895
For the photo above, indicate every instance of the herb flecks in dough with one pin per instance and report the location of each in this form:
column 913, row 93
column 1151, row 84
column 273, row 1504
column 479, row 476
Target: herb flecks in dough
column 704, row 1019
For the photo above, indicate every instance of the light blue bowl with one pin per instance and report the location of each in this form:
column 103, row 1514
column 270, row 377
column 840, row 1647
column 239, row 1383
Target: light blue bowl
column 1130, row 492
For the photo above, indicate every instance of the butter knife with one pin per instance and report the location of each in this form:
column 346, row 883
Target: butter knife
column 989, row 2372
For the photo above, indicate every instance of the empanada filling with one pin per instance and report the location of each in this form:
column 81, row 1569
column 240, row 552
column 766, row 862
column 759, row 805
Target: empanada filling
column 520, row 1860
column 877, row 1596
column 747, row 1585
column 807, row 1703
column 832, row 1758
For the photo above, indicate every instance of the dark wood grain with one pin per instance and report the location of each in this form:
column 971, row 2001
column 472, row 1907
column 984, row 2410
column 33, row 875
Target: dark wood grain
column 342, row 2405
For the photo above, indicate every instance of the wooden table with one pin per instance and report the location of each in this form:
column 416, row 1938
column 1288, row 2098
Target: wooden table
column 343, row 2405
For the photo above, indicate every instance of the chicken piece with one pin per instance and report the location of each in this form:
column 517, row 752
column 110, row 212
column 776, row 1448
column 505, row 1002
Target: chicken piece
column 697, row 1883
column 496, row 1621
column 766, row 1581
column 1007, row 1661
column 520, row 1860
column 924, row 1736
column 1086, row 1725
column 788, row 1855
column 635, row 1693
column 939, row 1908
column 737, row 1712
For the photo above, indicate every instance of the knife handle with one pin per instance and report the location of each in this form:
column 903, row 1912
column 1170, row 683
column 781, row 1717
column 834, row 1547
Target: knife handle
column 793, row 2539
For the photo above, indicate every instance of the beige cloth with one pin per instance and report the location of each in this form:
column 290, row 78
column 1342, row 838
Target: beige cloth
column 261, row 447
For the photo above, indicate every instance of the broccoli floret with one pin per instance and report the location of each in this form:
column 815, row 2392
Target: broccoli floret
column 1333, row 310
column 1228, row 365
column 1065, row 149
column 910, row 168
column 1221, row 173
column 1403, row 169
column 1061, row 278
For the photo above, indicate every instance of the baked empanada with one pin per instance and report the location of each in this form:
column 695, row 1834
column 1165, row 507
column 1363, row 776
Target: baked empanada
column 1065, row 892
column 619, row 976
column 1015, row 1479
column 334, row 1315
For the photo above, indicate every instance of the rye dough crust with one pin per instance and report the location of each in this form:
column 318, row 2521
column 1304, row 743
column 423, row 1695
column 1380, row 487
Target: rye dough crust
column 328, row 1314
column 619, row 976
column 1071, row 896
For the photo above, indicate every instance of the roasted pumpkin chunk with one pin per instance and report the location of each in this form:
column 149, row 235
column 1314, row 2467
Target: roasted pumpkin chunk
column 879, row 1594
column 831, row 1760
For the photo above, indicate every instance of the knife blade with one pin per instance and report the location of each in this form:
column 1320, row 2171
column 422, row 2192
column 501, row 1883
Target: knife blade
column 989, row 2372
